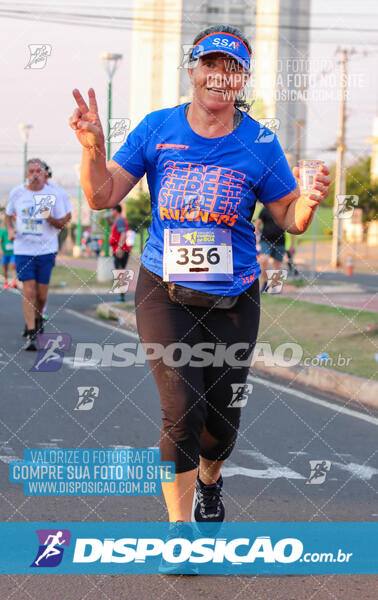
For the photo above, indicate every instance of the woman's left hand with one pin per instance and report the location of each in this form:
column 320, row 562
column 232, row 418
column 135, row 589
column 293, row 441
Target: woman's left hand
column 320, row 186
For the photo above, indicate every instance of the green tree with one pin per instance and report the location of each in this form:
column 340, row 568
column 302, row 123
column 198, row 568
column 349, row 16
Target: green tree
column 358, row 183
column 139, row 214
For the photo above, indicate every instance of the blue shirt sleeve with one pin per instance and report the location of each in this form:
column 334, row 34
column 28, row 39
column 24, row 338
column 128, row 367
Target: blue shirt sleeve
column 277, row 180
column 131, row 155
column 121, row 225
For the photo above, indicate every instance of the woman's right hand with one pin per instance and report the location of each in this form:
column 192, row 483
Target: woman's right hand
column 86, row 122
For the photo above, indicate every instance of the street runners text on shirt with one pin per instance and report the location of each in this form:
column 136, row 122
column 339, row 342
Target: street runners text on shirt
column 196, row 192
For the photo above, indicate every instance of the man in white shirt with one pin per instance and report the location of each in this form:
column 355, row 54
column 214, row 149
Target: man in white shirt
column 68, row 217
column 34, row 216
column 65, row 197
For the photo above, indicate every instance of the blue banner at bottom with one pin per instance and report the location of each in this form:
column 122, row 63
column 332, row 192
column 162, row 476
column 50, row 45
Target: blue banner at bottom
column 233, row 549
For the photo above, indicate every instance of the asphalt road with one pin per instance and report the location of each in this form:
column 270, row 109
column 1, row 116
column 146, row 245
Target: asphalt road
column 265, row 478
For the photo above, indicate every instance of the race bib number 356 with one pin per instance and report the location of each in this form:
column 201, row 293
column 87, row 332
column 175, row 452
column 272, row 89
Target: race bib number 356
column 197, row 255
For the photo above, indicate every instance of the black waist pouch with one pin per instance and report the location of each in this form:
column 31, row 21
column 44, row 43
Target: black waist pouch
column 184, row 295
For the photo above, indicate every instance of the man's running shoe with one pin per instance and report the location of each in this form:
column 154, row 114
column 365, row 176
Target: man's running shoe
column 39, row 325
column 14, row 284
column 180, row 529
column 25, row 332
column 30, row 344
column 6, row 285
column 209, row 507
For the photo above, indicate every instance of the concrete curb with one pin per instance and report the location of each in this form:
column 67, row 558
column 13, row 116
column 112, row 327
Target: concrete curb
column 106, row 310
column 350, row 387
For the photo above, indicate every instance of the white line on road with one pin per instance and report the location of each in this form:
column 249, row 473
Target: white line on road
column 287, row 390
column 273, row 471
column 335, row 407
column 101, row 324
column 361, row 471
column 9, row 459
column 230, row 469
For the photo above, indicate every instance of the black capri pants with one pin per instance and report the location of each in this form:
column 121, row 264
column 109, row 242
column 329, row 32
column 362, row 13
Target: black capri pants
column 197, row 418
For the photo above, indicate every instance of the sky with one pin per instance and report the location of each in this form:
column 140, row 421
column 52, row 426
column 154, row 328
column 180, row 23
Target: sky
column 43, row 97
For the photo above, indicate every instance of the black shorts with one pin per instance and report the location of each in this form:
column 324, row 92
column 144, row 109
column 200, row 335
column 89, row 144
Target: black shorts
column 196, row 402
column 120, row 263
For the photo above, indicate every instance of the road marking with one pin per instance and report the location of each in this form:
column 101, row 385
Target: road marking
column 78, row 363
column 9, row 459
column 105, row 325
column 269, row 473
column 48, row 445
column 309, row 398
column 335, row 407
column 120, row 447
column 360, row 471
column 273, row 471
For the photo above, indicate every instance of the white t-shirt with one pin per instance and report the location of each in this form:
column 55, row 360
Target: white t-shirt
column 65, row 197
column 34, row 235
column 130, row 237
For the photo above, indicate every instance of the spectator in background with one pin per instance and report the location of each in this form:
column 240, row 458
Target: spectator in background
column 7, row 258
column 68, row 207
column 291, row 243
column 119, row 242
column 272, row 243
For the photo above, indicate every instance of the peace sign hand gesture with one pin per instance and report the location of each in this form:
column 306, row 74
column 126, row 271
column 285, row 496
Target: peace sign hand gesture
column 86, row 122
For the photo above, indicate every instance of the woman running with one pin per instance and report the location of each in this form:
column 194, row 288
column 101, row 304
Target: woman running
column 198, row 285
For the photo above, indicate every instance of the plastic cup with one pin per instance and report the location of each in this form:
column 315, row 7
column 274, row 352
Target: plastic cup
column 307, row 171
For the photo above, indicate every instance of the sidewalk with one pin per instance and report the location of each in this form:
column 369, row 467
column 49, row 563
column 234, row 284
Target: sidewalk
column 340, row 294
column 90, row 263
column 344, row 293
column 365, row 258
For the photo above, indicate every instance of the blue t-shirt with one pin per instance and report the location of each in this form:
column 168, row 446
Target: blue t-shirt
column 227, row 173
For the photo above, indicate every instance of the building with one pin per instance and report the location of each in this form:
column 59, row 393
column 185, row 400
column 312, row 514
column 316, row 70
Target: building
column 163, row 30
column 155, row 56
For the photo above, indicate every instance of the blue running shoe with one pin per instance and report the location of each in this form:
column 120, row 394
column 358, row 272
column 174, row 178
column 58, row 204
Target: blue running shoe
column 180, row 529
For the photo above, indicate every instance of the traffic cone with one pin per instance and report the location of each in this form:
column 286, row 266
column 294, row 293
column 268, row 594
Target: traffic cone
column 349, row 265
